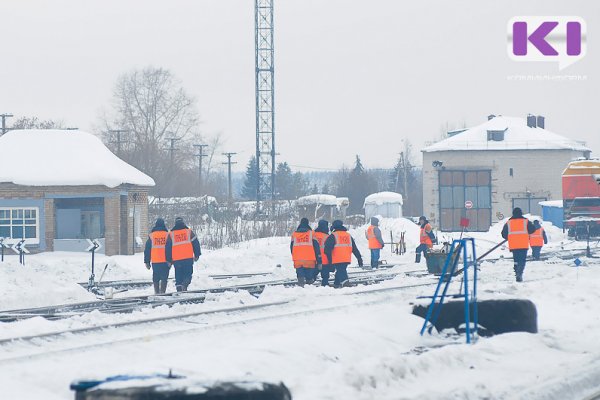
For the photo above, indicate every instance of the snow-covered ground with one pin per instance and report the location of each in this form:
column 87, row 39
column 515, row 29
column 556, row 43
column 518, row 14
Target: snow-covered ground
column 322, row 343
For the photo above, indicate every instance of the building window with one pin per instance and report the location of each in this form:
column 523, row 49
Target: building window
column 458, row 187
column 20, row 223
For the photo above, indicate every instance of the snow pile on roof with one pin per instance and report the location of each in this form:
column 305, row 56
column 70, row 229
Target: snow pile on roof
column 517, row 136
column 51, row 157
column 551, row 203
column 323, row 199
column 384, row 198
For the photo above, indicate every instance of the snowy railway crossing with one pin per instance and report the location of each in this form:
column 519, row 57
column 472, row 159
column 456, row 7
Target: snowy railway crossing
column 253, row 323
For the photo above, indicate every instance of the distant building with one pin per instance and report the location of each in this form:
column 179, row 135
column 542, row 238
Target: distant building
column 385, row 204
column 501, row 164
column 322, row 206
column 61, row 187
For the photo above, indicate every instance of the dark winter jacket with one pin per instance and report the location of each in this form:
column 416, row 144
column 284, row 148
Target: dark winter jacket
column 159, row 226
column 169, row 246
column 330, row 242
column 422, row 223
column 376, row 230
column 305, row 228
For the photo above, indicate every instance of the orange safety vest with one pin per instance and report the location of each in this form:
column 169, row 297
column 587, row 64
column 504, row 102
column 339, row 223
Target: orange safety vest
column 425, row 239
column 181, row 244
column 321, row 237
column 302, row 247
column 342, row 251
column 536, row 239
column 157, row 252
column 373, row 242
column 518, row 237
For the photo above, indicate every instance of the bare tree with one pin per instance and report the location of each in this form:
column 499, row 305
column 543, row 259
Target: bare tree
column 36, row 123
column 150, row 107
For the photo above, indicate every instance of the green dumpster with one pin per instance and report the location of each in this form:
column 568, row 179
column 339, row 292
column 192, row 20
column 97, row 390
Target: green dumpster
column 435, row 261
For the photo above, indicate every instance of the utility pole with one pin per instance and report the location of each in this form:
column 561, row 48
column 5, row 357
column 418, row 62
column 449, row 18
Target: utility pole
column 200, row 156
column 405, row 168
column 172, row 148
column 118, row 132
column 228, row 155
column 4, row 117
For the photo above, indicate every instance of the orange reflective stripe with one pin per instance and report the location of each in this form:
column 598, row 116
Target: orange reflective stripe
column 158, row 239
column 302, row 247
column 181, row 244
column 518, row 237
column 342, row 250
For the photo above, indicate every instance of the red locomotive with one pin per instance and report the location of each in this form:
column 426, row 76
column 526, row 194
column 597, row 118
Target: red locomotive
column 581, row 198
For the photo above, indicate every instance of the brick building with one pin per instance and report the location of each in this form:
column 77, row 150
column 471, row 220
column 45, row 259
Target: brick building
column 59, row 188
column 501, row 164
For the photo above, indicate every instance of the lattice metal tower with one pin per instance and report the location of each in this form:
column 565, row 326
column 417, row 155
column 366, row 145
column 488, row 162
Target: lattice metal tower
column 265, row 96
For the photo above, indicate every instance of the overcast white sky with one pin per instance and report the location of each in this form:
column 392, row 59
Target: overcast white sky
column 352, row 77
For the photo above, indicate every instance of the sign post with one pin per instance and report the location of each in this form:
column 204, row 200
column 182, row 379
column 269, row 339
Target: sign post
column 94, row 245
column 21, row 250
column 2, row 246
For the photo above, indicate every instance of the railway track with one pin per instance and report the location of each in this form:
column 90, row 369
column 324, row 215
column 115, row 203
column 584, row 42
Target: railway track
column 50, row 342
column 131, row 303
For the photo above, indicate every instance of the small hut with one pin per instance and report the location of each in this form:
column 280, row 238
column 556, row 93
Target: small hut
column 385, row 204
column 322, row 206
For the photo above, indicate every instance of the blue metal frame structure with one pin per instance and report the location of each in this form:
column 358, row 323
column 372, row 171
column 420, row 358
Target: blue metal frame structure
column 452, row 261
column 265, row 99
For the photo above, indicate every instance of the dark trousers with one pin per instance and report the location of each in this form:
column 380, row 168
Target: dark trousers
column 536, row 251
column 422, row 248
column 325, row 271
column 375, row 257
column 341, row 274
column 520, row 259
column 160, row 272
column 183, row 273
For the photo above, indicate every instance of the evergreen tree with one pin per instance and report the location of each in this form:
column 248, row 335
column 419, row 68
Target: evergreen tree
column 360, row 185
column 314, row 189
column 251, row 182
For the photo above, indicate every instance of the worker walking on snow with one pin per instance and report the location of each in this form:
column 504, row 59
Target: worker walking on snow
column 339, row 248
column 373, row 235
column 321, row 234
column 426, row 238
column 517, row 230
column 155, row 257
column 537, row 240
column 182, row 249
column 305, row 253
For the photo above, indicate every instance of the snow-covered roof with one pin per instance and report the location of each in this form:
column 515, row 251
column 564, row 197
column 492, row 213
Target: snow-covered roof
column 517, row 136
column 182, row 200
column 551, row 203
column 52, row 157
column 324, row 199
column 384, row 198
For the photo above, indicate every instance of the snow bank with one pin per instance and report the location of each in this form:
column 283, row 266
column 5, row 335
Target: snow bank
column 63, row 158
column 324, row 199
column 383, row 198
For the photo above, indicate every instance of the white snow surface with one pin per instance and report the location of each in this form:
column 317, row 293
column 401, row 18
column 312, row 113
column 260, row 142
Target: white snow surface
column 63, row 158
column 551, row 203
column 383, row 198
column 517, row 136
column 323, row 343
column 324, row 199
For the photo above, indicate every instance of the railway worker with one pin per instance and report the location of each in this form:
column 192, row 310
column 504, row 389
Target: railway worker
column 426, row 238
column 339, row 248
column 537, row 240
column 182, row 249
column 517, row 230
column 321, row 234
column 305, row 253
column 373, row 235
column 155, row 257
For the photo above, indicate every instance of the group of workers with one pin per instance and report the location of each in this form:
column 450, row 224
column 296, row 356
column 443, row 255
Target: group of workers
column 323, row 251
column 178, row 247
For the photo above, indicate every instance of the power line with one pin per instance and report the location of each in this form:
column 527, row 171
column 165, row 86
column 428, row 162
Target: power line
column 229, row 162
column 200, row 156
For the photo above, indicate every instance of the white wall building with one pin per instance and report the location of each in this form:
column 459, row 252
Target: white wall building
column 385, row 204
column 501, row 164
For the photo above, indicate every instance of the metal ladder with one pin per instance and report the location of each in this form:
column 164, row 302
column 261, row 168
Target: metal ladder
column 449, row 270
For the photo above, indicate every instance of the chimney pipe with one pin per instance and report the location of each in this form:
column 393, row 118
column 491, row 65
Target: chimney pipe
column 541, row 121
column 531, row 121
